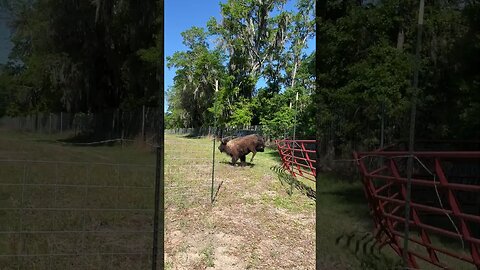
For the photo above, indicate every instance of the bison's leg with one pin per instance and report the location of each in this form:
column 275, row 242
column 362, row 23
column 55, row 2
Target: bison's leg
column 234, row 160
column 242, row 159
column 253, row 154
column 253, row 150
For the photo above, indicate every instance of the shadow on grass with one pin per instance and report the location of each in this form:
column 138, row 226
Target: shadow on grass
column 273, row 153
column 290, row 182
column 248, row 164
column 214, row 197
column 367, row 251
column 347, row 198
column 349, row 195
column 339, row 177
column 194, row 136
column 90, row 140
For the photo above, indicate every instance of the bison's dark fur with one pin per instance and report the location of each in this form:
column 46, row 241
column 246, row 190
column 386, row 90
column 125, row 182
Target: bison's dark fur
column 238, row 148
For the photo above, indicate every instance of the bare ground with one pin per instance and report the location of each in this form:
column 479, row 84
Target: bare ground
column 253, row 224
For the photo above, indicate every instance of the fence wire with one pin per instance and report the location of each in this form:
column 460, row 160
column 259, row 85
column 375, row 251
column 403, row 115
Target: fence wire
column 75, row 215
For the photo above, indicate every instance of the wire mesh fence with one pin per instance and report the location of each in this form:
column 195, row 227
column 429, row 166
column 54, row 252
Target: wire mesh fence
column 75, row 215
column 219, row 132
column 108, row 124
column 188, row 171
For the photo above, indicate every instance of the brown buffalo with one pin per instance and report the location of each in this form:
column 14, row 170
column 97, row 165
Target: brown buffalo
column 242, row 146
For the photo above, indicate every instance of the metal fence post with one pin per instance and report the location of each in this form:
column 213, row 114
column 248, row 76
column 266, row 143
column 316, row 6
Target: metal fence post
column 411, row 143
column 159, row 208
column 213, row 147
column 144, row 138
column 213, row 170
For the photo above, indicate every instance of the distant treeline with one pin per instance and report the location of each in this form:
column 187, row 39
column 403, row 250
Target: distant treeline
column 254, row 40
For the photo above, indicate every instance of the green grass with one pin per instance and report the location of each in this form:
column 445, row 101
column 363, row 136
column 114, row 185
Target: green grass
column 239, row 198
column 345, row 222
column 289, row 203
column 60, row 180
column 207, row 256
column 344, row 216
column 253, row 260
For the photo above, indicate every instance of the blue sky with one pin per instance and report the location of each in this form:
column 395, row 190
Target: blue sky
column 180, row 15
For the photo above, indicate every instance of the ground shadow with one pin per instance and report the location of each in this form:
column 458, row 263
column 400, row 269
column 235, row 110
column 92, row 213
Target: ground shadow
column 340, row 177
column 92, row 140
column 214, row 197
column 367, row 251
column 353, row 195
column 193, row 136
column 273, row 153
column 351, row 199
column 248, row 164
column 290, row 183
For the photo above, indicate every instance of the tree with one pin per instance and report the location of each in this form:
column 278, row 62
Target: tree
column 194, row 82
column 302, row 28
column 250, row 37
column 110, row 71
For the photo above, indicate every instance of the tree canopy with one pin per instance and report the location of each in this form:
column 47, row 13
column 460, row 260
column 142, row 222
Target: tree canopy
column 254, row 40
column 365, row 57
column 81, row 56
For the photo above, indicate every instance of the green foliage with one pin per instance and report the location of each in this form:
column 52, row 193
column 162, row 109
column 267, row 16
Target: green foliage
column 81, row 58
column 366, row 68
column 279, row 124
column 170, row 121
column 242, row 114
column 194, row 83
column 254, row 39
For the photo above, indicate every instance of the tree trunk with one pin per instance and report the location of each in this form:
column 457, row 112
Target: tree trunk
column 294, row 74
column 400, row 39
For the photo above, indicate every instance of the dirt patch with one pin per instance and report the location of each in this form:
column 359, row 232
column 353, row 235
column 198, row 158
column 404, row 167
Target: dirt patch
column 269, row 240
column 248, row 227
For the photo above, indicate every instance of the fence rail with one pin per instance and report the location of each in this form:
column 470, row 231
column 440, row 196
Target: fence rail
column 445, row 204
column 298, row 157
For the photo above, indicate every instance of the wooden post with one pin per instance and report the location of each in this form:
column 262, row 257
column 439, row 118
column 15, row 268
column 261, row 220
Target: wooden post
column 50, row 123
column 143, row 124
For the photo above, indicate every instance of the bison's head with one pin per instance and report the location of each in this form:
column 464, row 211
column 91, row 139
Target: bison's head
column 223, row 144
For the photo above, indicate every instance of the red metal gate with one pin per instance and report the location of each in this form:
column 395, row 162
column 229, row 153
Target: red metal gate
column 445, row 204
column 298, row 157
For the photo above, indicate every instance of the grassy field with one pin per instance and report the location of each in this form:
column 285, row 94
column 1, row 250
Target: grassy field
column 346, row 232
column 253, row 224
column 74, row 207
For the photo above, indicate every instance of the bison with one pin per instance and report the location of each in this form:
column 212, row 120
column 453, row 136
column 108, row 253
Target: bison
column 242, row 146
